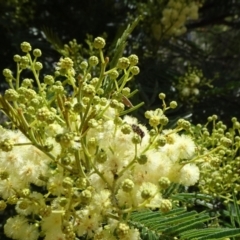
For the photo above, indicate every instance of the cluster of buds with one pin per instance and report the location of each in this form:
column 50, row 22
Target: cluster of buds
column 96, row 163
column 190, row 83
column 174, row 17
column 219, row 158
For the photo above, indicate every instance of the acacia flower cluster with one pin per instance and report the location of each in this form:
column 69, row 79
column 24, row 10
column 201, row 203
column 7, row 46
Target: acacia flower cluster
column 74, row 162
column 174, row 16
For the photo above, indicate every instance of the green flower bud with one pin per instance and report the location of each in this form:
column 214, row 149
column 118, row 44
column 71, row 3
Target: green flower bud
column 118, row 121
column 123, row 63
column 133, row 59
column 65, row 160
column 4, row 175
column 67, row 182
column 122, row 230
column 23, row 204
column 100, row 91
column 127, row 185
column 165, row 206
column 27, row 82
column 12, row 200
column 154, row 121
column 25, row 192
column 96, row 100
column 89, row 90
column 63, row 201
column 103, row 101
column 135, row 70
column 81, row 183
column 114, row 103
column 99, row 43
column 17, row 58
column 38, row 66
column 77, row 107
column 67, row 105
column 234, row 119
column 3, row 205
column 142, row 159
column 164, row 182
column 184, row 124
column 93, row 61
column 7, row 145
column 195, row 91
column 148, row 114
column 26, row 47
column 126, row 129
column 24, row 60
column 136, row 139
column 226, row 142
column 48, row 79
column 146, row 193
column 37, row 53
column 215, row 117
column 7, row 73
column 83, row 65
column 163, row 120
column 126, row 91
column 86, row 195
column 11, row 95
column 113, row 74
column 173, row 104
column 161, row 141
column 85, row 100
column 162, row 96
column 101, row 156
column 94, row 81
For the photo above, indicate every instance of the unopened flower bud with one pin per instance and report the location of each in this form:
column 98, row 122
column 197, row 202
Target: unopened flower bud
column 99, row 43
column 86, row 195
column 127, row 185
column 136, row 139
column 164, row 182
column 133, row 59
column 6, row 145
column 122, row 230
column 113, row 74
column 123, row 63
column 83, row 65
column 142, row 159
column 37, row 53
column 48, row 79
column 162, row 96
column 161, row 141
column 226, row 142
column 135, row 70
column 173, row 104
column 67, row 182
column 17, row 58
column 101, row 156
column 126, row 129
column 165, row 205
column 93, row 61
column 38, row 66
column 26, row 47
column 146, row 193
column 3, row 205
column 7, row 73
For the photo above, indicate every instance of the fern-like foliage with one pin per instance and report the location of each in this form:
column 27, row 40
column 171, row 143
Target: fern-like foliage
column 179, row 223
